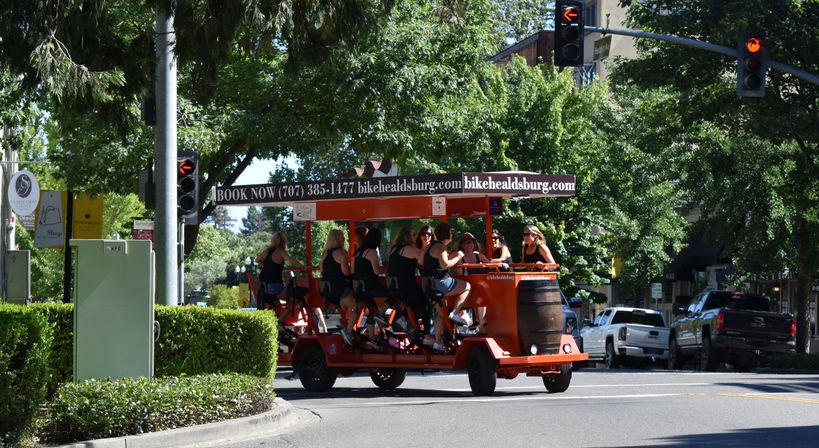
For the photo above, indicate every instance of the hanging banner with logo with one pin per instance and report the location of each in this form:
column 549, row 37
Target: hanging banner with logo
column 87, row 218
column 24, row 193
column 49, row 221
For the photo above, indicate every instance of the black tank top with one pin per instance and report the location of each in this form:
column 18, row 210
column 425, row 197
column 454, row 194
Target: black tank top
column 431, row 265
column 271, row 271
column 363, row 267
column 403, row 268
column 533, row 258
column 331, row 269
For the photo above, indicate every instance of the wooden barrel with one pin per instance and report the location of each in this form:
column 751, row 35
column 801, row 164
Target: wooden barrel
column 540, row 317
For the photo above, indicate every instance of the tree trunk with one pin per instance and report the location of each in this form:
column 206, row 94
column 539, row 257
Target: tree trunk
column 805, row 269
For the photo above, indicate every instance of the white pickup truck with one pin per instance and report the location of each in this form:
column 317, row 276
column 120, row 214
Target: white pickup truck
column 619, row 334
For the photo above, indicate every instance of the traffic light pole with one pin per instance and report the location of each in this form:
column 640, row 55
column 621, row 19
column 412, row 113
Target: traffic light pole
column 165, row 168
column 801, row 74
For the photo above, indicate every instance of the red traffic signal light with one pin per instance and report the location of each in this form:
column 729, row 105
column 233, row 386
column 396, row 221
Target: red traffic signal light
column 569, row 33
column 753, row 45
column 187, row 185
column 752, row 64
column 186, row 167
column 571, row 14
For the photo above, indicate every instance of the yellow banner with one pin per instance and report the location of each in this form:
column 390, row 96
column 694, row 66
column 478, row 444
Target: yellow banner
column 87, row 222
column 617, row 266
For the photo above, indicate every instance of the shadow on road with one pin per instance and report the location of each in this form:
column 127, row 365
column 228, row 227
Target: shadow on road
column 787, row 385
column 296, row 393
column 796, row 436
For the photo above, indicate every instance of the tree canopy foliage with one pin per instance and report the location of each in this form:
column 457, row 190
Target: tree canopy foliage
column 749, row 166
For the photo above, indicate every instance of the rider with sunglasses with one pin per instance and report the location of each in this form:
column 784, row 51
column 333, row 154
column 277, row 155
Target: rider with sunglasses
column 500, row 252
column 424, row 237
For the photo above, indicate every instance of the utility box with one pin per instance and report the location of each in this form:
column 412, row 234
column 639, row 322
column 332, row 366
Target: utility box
column 113, row 309
column 18, row 275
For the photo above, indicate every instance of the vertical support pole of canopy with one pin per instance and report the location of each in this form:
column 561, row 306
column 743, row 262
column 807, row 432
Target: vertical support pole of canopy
column 308, row 262
column 351, row 238
column 489, row 245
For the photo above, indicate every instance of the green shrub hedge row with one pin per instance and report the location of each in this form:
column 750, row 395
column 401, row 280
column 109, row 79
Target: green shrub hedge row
column 96, row 409
column 25, row 342
column 61, row 360
column 799, row 361
column 196, row 340
column 36, row 354
column 193, row 340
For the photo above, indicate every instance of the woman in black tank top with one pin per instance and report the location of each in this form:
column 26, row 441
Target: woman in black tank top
column 403, row 261
column 437, row 263
column 335, row 269
column 366, row 268
column 535, row 249
column 272, row 261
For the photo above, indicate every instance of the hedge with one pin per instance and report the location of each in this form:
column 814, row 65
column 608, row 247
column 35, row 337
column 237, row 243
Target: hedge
column 96, row 409
column 797, row 361
column 36, row 354
column 193, row 340
column 61, row 360
column 25, row 343
column 199, row 340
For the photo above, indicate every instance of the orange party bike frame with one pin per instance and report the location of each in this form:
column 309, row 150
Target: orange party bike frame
column 524, row 332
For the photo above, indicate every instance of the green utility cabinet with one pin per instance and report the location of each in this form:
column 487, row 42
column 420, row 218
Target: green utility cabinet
column 113, row 309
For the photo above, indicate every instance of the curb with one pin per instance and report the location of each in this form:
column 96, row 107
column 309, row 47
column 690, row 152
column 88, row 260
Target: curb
column 265, row 422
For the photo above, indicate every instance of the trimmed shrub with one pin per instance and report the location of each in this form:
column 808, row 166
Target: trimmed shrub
column 200, row 340
column 61, row 361
column 223, row 296
column 96, row 409
column 25, row 342
column 798, row 361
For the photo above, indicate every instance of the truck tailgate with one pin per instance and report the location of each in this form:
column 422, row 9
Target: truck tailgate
column 647, row 336
column 758, row 323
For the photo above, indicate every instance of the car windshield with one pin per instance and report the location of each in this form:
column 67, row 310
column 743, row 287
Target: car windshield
column 628, row 317
column 738, row 301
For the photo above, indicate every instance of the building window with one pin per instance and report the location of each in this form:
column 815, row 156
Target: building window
column 591, row 14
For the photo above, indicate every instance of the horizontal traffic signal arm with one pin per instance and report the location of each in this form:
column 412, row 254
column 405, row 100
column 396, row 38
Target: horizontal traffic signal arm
column 801, row 74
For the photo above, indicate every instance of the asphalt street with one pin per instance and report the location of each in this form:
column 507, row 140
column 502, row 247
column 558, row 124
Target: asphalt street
column 601, row 408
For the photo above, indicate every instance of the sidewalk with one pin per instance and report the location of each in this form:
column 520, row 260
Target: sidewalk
column 281, row 416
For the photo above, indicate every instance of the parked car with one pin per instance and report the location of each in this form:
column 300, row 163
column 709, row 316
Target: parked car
column 732, row 327
column 619, row 335
column 570, row 322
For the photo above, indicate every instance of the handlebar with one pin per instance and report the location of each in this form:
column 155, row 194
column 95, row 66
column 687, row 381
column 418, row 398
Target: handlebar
column 302, row 268
column 543, row 267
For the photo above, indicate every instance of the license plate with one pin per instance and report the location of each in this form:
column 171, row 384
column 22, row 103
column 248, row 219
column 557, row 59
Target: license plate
column 756, row 342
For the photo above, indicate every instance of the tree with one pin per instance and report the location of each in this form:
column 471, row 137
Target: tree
column 92, row 63
column 254, row 222
column 220, row 218
column 753, row 177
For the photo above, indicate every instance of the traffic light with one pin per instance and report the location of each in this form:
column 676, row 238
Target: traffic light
column 187, row 186
column 752, row 65
column 569, row 31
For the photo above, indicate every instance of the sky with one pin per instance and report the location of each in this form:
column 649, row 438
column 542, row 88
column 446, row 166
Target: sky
column 257, row 173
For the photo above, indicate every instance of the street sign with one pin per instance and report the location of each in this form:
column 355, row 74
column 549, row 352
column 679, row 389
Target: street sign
column 143, row 224
column 656, row 291
column 601, row 48
column 24, row 193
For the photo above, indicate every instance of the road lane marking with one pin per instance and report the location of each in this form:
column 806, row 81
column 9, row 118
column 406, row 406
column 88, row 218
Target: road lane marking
column 484, row 400
column 581, row 386
column 767, row 397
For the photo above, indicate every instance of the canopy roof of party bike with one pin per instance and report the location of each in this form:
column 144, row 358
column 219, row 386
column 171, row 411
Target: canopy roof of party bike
column 451, row 195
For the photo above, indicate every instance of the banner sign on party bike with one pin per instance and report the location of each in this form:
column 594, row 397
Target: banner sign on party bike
column 504, row 184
